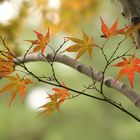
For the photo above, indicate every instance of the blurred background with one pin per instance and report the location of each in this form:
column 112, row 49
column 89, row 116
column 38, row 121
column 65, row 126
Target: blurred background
column 81, row 118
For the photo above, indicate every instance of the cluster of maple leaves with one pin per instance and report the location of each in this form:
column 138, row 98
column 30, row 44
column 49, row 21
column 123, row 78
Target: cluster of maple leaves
column 18, row 85
column 56, row 99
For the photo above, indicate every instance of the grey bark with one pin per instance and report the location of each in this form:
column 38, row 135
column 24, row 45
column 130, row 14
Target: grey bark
column 131, row 10
column 97, row 75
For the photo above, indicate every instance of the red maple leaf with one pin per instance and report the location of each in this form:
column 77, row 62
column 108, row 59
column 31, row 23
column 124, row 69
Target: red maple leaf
column 128, row 66
column 108, row 32
column 41, row 42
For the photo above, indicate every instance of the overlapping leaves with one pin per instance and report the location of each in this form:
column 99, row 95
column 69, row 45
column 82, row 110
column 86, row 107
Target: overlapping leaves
column 42, row 41
column 113, row 30
column 18, row 85
column 6, row 65
column 128, row 67
column 56, row 99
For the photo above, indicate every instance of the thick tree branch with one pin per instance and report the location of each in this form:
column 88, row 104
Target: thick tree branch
column 131, row 10
column 97, row 75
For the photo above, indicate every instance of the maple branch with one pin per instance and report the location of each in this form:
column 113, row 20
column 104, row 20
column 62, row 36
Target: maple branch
column 131, row 10
column 92, row 73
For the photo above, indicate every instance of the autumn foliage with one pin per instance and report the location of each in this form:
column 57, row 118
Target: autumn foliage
column 6, row 65
column 81, row 45
column 41, row 41
column 18, row 84
column 108, row 32
column 128, row 66
column 56, row 99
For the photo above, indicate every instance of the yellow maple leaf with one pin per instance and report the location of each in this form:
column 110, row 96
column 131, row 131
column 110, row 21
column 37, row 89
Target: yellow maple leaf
column 81, row 45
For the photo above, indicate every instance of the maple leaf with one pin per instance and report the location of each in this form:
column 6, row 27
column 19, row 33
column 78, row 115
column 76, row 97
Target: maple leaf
column 81, row 46
column 108, row 32
column 17, row 86
column 41, row 42
column 6, row 65
column 61, row 93
column 128, row 30
column 51, row 106
column 128, row 66
column 56, row 100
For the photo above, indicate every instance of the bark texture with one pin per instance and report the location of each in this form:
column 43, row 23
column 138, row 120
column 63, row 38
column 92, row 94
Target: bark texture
column 131, row 10
column 108, row 81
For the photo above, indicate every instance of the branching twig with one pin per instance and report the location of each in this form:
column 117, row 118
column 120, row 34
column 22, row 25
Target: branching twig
column 108, row 81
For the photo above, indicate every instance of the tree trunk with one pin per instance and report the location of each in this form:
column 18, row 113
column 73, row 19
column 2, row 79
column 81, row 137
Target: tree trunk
column 131, row 10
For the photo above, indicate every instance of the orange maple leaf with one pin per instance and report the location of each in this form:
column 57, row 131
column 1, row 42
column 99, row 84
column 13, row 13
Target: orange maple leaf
column 129, row 66
column 128, row 30
column 41, row 42
column 108, row 32
column 6, row 65
column 81, row 46
column 61, row 93
column 51, row 106
column 56, row 100
column 17, row 86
